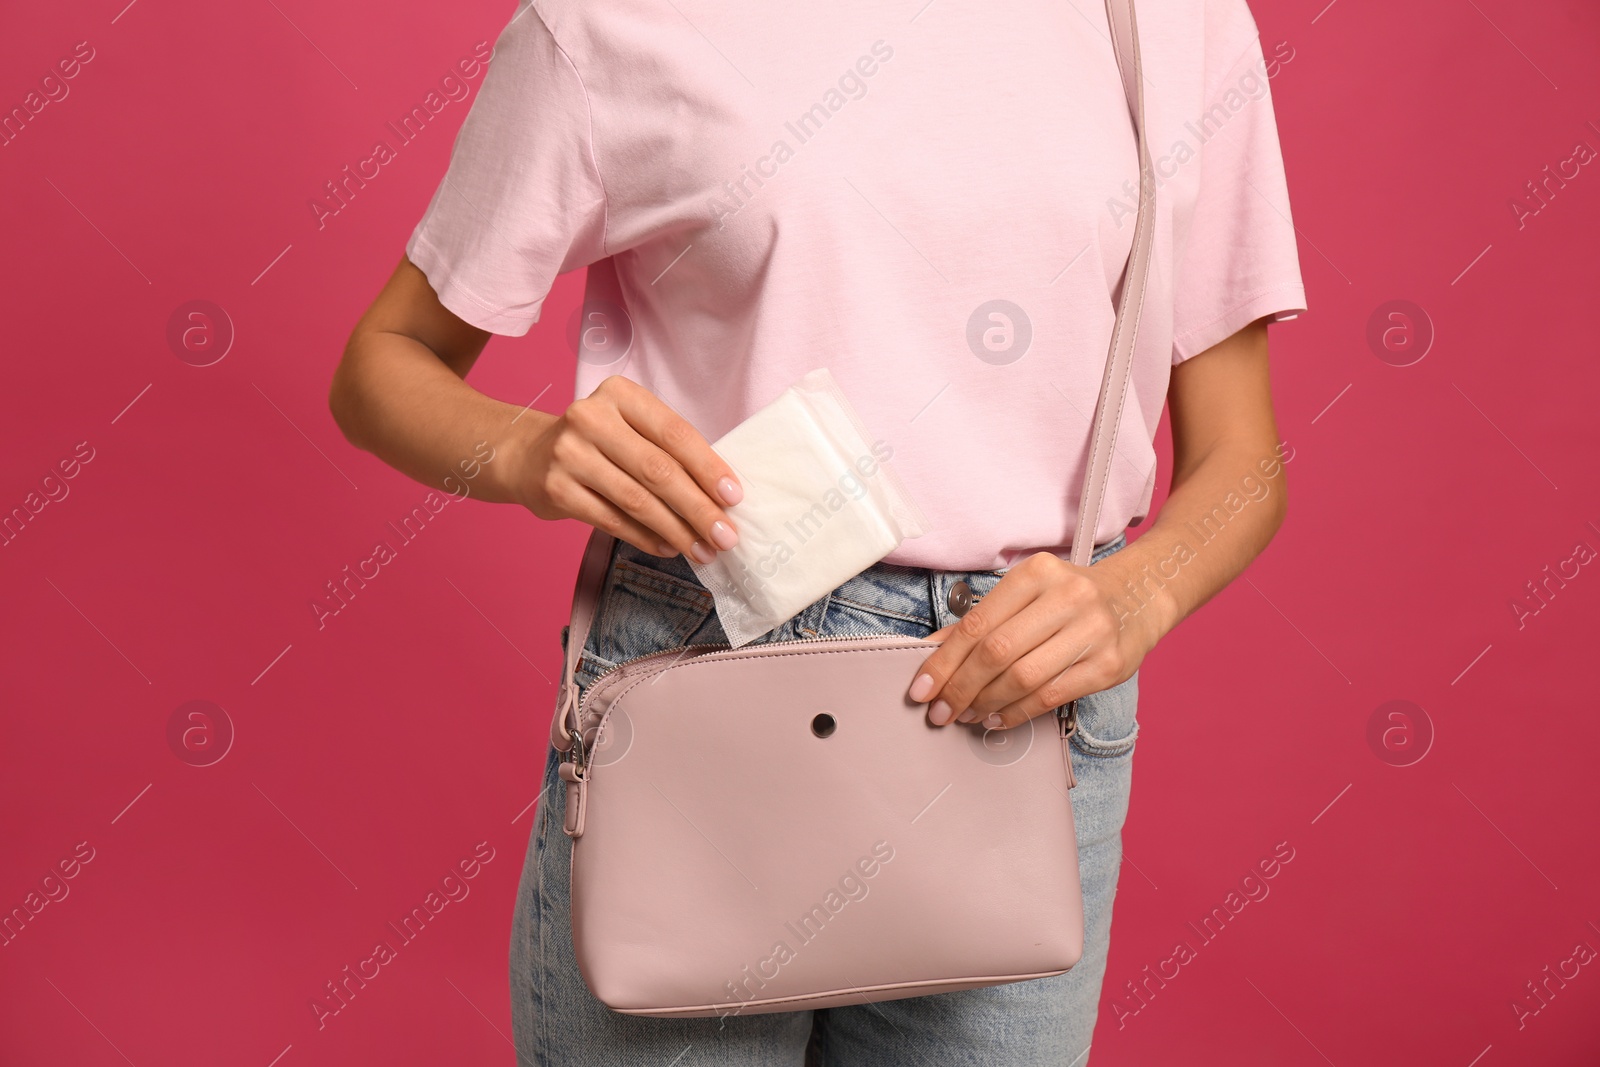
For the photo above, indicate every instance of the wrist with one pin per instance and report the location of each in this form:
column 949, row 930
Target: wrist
column 1142, row 602
column 516, row 477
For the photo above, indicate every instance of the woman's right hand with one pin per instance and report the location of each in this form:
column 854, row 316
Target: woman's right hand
column 624, row 462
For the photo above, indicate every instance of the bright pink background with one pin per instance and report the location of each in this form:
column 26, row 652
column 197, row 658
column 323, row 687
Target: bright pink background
column 372, row 755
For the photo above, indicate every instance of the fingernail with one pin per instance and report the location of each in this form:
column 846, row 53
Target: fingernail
column 723, row 535
column 666, row 550
column 967, row 716
column 922, row 688
column 702, row 553
column 939, row 714
column 992, row 722
column 730, row 492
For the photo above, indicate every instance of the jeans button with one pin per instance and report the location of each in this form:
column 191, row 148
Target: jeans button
column 960, row 600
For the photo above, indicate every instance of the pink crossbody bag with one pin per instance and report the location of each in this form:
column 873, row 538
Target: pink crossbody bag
column 786, row 830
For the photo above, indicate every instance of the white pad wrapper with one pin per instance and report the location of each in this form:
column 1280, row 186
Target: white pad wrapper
column 820, row 506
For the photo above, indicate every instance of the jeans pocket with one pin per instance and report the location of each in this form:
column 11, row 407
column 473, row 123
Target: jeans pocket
column 846, row 616
column 1108, row 723
column 642, row 610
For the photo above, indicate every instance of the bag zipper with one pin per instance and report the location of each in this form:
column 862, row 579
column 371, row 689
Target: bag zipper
column 718, row 646
column 614, row 668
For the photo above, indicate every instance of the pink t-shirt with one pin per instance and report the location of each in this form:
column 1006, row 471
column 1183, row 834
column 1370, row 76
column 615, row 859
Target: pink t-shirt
column 936, row 204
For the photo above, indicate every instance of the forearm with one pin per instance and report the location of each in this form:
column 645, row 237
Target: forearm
column 1220, row 515
column 395, row 398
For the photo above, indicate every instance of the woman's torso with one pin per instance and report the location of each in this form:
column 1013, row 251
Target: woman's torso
column 936, row 204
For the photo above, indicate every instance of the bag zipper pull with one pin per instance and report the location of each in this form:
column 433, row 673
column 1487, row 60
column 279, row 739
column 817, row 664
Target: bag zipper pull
column 1068, row 721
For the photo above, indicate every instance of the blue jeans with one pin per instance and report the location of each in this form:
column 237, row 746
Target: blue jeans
column 650, row 604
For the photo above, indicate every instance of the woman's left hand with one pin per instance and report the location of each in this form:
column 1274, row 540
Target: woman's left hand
column 1046, row 634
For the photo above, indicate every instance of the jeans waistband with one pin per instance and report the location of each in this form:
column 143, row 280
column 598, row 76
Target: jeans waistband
column 923, row 594
column 915, row 594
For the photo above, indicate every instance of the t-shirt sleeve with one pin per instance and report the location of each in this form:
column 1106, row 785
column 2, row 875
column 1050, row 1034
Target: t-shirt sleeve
column 522, row 199
column 1240, row 262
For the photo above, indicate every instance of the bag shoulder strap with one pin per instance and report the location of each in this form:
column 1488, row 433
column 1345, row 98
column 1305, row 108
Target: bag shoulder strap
column 1107, row 414
column 1130, row 304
